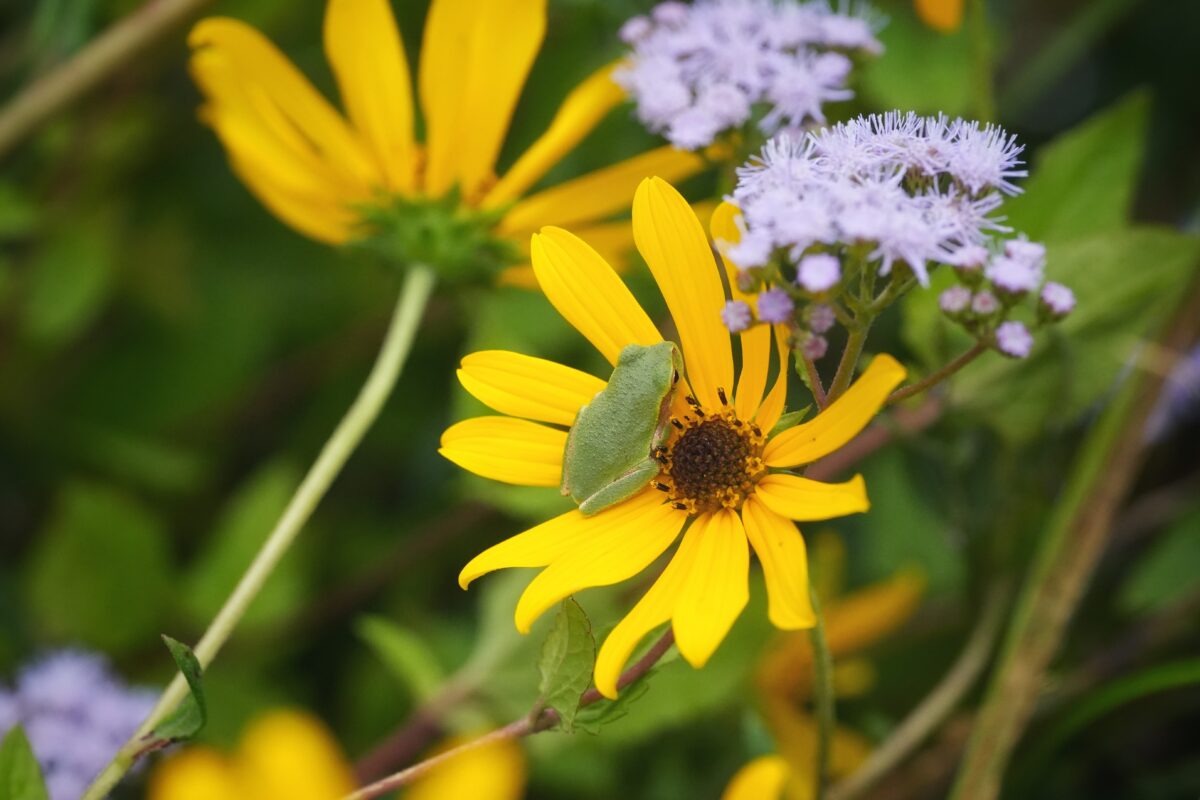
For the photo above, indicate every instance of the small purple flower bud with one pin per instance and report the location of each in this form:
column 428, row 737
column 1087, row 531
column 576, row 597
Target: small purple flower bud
column 746, row 281
column 754, row 250
column 736, row 316
column 985, row 303
column 955, row 300
column 814, row 347
column 1014, row 339
column 775, row 306
column 1056, row 301
column 819, row 272
column 820, row 318
column 970, row 258
column 635, row 29
column 1013, row 277
column 1031, row 253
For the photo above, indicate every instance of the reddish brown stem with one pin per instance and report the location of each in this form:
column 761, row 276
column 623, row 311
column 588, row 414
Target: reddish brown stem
column 934, row 378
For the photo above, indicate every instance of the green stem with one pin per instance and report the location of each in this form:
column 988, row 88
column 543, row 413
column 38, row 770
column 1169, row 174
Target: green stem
column 934, row 378
column 981, row 62
column 337, row 450
column 823, row 697
column 117, row 46
column 856, row 339
column 1067, row 555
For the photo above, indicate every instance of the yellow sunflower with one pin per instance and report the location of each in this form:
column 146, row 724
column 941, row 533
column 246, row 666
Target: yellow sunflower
column 724, row 478
column 316, row 169
column 941, row 15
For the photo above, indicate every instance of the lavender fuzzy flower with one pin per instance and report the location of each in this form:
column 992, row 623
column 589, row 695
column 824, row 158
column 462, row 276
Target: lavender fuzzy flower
column 819, row 272
column 955, row 300
column 918, row 190
column 696, row 71
column 1014, row 339
column 775, row 306
column 1056, row 300
column 76, row 714
column 820, row 318
column 737, row 316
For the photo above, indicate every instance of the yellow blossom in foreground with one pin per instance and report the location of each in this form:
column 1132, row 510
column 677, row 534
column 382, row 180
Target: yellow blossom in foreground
column 785, row 678
column 315, row 168
column 724, row 478
column 289, row 755
column 942, row 15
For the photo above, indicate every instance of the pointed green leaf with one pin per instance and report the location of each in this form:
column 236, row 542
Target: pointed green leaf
column 20, row 775
column 568, row 656
column 596, row 716
column 192, row 714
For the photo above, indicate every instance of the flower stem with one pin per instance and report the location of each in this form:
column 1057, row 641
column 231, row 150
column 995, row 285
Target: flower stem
column 981, row 58
column 934, row 378
column 855, row 340
column 823, row 697
column 527, row 725
column 106, row 53
column 337, row 450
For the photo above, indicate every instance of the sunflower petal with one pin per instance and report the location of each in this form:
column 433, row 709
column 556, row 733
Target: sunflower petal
column 289, row 754
column 806, row 500
column 583, row 109
column 364, row 48
column 716, row 587
column 524, row 386
column 264, row 83
column 841, row 421
column 598, row 194
column 474, row 60
column 655, row 608
column 772, row 405
column 670, row 238
column 322, row 219
column 761, row 779
column 617, row 547
column 589, row 294
column 784, row 558
column 506, row 449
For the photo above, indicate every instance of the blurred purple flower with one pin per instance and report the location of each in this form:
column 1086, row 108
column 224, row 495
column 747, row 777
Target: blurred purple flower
column 775, row 306
column 1014, row 339
column 736, row 316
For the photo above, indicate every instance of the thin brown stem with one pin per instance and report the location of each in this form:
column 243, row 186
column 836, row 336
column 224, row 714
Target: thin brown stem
column 814, row 381
column 540, row 720
column 105, row 54
column 934, row 378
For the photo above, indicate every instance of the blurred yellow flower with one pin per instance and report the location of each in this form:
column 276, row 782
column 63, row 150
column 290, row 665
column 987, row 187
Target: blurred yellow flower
column 785, row 675
column 289, row 755
column 725, row 479
column 942, row 15
column 316, row 169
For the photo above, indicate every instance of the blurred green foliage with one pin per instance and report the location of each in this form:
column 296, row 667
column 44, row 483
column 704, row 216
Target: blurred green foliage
column 171, row 356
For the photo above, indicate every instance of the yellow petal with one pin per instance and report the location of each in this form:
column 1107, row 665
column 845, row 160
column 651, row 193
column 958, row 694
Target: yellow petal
column 579, row 114
column 267, row 83
column 322, row 219
column 474, row 61
column 364, row 48
column 655, row 608
column 772, row 405
column 716, row 587
column 520, row 276
column 870, row 614
column 761, row 779
column 806, row 500
column 494, row 771
column 672, row 241
column 598, row 194
column 841, row 421
column 616, row 548
column 196, row 773
column 288, row 755
column 535, row 547
column 784, row 558
column 588, row 294
column 506, row 449
column 612, row 240
column 943, row 15
column 524, row 386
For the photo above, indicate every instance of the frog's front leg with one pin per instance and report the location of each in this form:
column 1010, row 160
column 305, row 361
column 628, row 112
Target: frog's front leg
column 622, row 488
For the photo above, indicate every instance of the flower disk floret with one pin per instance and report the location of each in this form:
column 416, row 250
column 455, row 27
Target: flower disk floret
column 697, row 71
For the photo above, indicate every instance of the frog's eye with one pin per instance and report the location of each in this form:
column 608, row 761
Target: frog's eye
column 675, row 377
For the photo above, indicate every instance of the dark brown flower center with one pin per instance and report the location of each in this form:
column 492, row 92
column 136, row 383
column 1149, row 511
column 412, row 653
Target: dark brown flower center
column 712, row 461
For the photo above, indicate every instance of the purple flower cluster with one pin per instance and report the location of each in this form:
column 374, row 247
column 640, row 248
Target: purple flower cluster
column 76, row 714
column 695, row 71
column 916, row 190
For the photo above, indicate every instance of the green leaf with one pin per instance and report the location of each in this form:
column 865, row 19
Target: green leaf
column 568, row 656
column 243, row 526
column 20, row 775
column 1168, row 573
column 594, row 717
column 921, row 69
column 69, row 281
column 791, row 419
column 18, row 214
column 1125, row 282
column 192, row 714
column 404, row 653
column 100, row 572
column 1084, row 181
